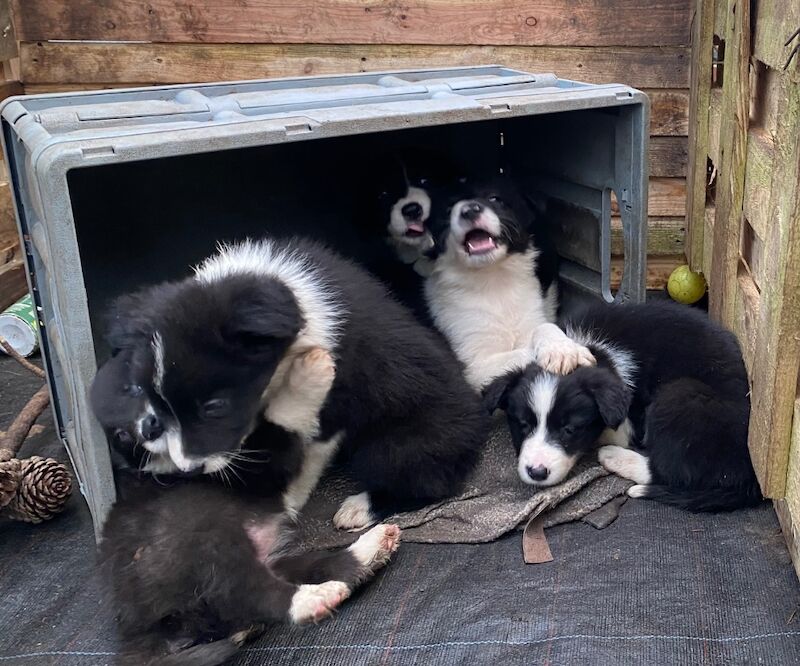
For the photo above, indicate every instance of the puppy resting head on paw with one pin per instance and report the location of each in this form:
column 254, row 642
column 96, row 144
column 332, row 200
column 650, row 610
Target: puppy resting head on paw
column 554, row 419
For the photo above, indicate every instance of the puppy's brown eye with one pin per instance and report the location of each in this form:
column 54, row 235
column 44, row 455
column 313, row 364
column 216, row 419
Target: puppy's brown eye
column 215, row 408
column 568, row 429
column 495, row 199
column 529, row 425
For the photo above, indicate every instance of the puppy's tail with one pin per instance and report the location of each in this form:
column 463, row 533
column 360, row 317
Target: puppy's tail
column 201, row 654
column 710, row 500
column 204, row 654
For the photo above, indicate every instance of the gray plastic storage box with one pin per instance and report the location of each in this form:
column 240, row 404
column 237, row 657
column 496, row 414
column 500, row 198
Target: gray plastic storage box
column 121, row 188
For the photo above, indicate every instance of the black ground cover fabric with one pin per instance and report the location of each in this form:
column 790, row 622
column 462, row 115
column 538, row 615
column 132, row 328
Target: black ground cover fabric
column 658, row 586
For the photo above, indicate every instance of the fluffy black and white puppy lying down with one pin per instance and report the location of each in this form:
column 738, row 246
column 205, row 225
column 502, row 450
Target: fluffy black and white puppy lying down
column 194, row 570
column 485, row 292
column 389, row 399
column 668, row 399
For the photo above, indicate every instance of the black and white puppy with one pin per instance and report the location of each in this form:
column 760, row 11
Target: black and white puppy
column 484, row 292
column 272, row 461
column 395, row 407
column 195, row 570
column 668, row 399
column 393, row 219
column 133, row 421
column 224, row 568
column 405, row 202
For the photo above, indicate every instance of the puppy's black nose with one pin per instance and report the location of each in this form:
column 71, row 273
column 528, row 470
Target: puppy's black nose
column 412, row 211
column 152, row 428
column 470, row 211
column 539, row 473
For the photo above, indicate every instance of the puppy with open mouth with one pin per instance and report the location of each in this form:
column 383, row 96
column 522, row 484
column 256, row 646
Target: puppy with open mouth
column 409, row 210
column 394, row 221
column 486, row 292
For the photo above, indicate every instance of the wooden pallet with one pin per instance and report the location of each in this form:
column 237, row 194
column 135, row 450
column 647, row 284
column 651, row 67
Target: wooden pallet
column 638, row 42
column 12, row 275
column 743, row 216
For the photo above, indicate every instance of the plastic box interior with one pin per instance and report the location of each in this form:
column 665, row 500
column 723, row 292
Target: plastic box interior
column 141, row 222
column 103, row 217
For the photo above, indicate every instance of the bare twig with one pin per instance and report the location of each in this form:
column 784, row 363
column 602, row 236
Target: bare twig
column 25, row 363
column 794, row 51
column 21, row 426
column 35, row 430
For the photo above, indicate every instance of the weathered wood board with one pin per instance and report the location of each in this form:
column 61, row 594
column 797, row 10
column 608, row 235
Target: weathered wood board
column 457, row 22
column 698, row 129
column 66, row 63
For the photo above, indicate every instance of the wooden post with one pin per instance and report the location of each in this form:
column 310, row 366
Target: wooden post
column 777, row 344
column 702, row 44
column 733, row 155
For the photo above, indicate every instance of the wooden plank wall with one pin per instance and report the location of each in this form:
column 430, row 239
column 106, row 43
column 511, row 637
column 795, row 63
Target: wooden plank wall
column 12, row 272
column 643, row 43
column 744, row 218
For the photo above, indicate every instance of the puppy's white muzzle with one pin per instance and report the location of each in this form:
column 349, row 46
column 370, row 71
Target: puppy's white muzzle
column 543, row 463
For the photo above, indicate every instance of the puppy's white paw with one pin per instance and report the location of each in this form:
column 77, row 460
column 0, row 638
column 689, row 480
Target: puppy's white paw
column 563, row 356
column 314, row 369
column 355, row 513
column 374, row 548
column 637, row 491
column 312, row 603
column 625, row 463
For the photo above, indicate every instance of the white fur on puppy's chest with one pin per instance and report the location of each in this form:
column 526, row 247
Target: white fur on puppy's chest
column 488, row 311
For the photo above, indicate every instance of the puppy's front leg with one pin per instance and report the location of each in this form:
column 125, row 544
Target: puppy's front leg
column 557, row 353
column 296, row 404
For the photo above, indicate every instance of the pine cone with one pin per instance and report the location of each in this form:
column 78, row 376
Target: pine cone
column 10, row 475
column 44, row 487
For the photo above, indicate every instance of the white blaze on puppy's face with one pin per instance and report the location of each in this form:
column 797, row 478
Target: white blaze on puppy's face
column 542, row 461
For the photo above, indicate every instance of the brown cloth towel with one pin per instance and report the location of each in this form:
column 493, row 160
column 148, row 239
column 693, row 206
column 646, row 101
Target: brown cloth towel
column 494, row 502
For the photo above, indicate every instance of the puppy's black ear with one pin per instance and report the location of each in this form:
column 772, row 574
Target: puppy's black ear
column 263, row 317
column 495, row 394
column 130, row 319
column 613, row 398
